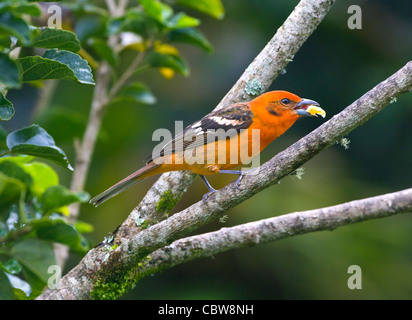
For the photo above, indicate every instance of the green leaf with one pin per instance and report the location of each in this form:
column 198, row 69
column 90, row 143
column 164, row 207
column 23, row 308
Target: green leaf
column 10, row 190
column 55, row 65
column 15, row 26
column 3, row 136
column 136, row 22
column 163, row 13
column 12, row 266
column 56, row 38
column 9, row 75
column 43, row 177
column 103, row 50
column 58, row 196
column 90, row 26
column 20, row 159
column 182, row 20
column 3, row 229
column 6, row 292
column 36, row 283
column 84, row 227
column 19, row 7
column 6, row 108
column 35, row 141
column 13, row 181
column 78, row 65
column 21, row 295
column 213, row 8
column 37, row 175
column 15, row 170
column 5, row 6
column 30, row 9
column 5, row 41
column 190, row 36
column 159, row 60
column 139, row 93
column 62, row 232
column 156, row 9
column 82, row 8
column 35, row 256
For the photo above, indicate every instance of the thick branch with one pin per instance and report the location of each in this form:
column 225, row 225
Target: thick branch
column 255, row 80
column 79, row 282
column 269, row 173
column 272, row 229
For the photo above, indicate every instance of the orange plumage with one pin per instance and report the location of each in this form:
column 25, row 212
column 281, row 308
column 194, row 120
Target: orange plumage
column 247, row 128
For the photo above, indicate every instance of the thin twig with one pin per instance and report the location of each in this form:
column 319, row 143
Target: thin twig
column 122, row 6
column 86, row 148
column 111, row 5
column 127, row 74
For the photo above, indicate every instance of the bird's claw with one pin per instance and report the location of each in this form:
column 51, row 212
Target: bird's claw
column 237, row 182
column 209, row 187
column 206, row 195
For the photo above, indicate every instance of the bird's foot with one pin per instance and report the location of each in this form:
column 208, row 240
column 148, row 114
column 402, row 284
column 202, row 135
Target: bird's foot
column 209, row 187
column 237, row 182
column 206, row 195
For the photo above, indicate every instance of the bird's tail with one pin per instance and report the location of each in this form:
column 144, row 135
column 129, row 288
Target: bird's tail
column 147, row 171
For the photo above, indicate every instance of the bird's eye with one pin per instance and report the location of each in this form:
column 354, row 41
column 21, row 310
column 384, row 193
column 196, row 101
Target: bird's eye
column 285, row 101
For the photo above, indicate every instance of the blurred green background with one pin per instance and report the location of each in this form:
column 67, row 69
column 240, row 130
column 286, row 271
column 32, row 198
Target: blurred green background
column 334, row 67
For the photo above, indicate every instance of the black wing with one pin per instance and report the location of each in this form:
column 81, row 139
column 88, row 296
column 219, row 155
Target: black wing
column 229, row 120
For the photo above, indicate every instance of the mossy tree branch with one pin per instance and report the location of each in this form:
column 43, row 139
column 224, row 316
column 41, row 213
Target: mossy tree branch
column 276, row 228
column 101, row 268
column 270, row 173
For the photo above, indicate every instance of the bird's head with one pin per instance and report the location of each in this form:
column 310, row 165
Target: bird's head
column 278, row 103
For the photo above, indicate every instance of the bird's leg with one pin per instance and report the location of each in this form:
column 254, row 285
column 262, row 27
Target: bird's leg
column 239, row 172
column 209, row 187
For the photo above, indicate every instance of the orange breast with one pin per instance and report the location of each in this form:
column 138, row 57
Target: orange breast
column 230, row 153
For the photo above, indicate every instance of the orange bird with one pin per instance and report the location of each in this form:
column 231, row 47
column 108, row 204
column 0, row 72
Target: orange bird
column 206, row 146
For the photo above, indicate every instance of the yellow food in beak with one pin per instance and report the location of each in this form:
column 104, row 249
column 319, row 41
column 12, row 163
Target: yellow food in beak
column 315, row 111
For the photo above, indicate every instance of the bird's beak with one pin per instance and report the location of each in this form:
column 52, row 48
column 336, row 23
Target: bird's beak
column 309, row 108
